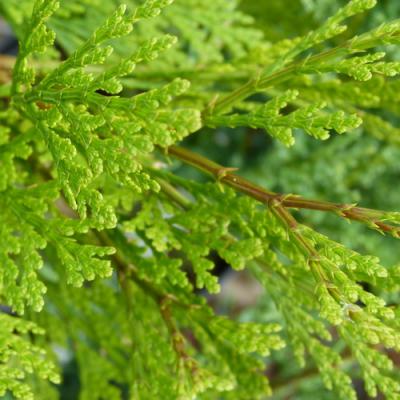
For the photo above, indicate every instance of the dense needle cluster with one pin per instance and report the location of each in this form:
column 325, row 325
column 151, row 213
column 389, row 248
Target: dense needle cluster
column 107, row 250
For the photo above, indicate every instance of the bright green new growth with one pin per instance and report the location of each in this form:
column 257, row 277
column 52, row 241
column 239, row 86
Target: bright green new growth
column 87, row 193
column 20, row 357
column 309, row 118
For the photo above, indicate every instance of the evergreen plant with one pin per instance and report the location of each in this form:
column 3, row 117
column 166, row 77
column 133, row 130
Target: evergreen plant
column 108, row 240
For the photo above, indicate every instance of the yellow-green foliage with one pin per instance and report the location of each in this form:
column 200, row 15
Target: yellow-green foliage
column 107, row 247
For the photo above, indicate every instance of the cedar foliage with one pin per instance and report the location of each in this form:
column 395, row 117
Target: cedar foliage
column 107, row 249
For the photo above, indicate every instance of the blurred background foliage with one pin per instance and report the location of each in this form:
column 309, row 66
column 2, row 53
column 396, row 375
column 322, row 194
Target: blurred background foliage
column 354, row 168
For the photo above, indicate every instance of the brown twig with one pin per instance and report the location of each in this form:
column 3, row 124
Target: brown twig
column 373, row 218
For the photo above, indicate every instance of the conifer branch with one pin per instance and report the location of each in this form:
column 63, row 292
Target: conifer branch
column 373, row 218
column 265, row 81
column 84, row 201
